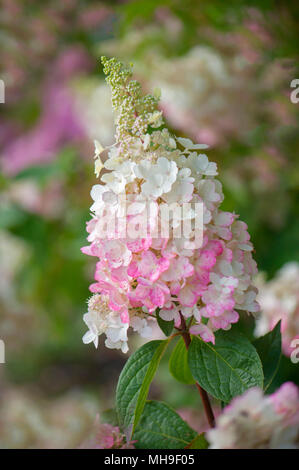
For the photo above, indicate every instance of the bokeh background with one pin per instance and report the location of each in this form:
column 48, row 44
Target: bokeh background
column 225, row 70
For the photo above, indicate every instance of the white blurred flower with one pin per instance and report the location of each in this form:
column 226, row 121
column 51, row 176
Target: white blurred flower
column 255, row 421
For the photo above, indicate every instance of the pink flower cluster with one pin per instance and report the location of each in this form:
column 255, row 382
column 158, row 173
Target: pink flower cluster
column 139, row 273
column 106, row 436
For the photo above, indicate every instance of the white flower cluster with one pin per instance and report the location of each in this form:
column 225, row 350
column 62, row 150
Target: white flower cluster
column 101, row 320
column 255, row 421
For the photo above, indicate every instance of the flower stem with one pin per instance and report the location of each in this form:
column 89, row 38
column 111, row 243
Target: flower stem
column 203, row 394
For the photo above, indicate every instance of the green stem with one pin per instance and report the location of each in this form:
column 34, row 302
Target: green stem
column 203, row 394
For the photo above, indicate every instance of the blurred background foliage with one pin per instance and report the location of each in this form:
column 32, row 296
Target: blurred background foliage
column 225, row 70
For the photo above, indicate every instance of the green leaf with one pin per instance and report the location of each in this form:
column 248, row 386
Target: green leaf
column 40, row 173
column 199, row 442
column 11, row 216
column 178, row 364
column 228, row 368
column 166, row 326
column 269, row 350
column 162, row 428
column 134, row 382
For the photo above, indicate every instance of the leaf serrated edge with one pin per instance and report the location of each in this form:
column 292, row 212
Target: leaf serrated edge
column 225, row 361
column 199, row 437
column 169, row 437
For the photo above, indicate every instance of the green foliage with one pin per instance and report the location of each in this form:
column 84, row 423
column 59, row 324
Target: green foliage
column 199, row 442
column 228, row 368
column 178, row 364
column 134, row 382
column 166, row 326
column 11, row 216
column 137, row 9
column 269, row 350
column 162, row 428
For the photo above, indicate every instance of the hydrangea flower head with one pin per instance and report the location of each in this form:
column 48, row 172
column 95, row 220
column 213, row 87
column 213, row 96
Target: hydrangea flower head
column 200, row 268
column 255, row 421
